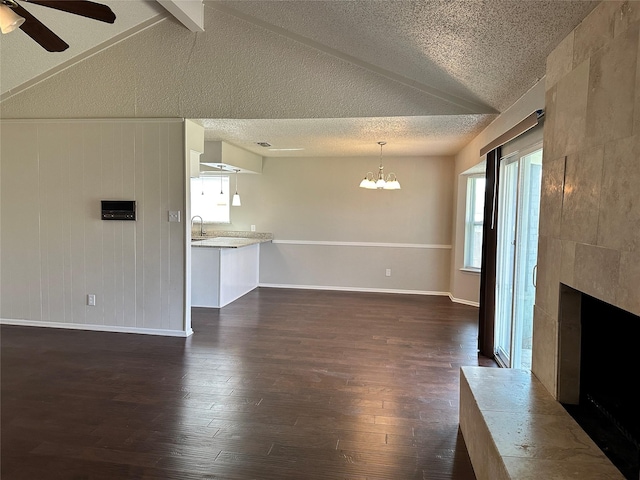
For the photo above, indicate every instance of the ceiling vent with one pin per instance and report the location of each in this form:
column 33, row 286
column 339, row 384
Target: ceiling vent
column 264, row 144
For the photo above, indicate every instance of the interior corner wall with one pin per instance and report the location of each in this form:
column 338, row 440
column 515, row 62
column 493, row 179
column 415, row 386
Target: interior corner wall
column 329, row 233
column 466, row 285
column 56, row 249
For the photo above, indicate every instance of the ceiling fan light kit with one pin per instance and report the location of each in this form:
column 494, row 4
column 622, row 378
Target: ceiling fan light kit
column 18, row 17
column 9, row 20
column 371, row 182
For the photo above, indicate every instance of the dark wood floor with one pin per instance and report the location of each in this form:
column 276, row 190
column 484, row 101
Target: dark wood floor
column 281, row 384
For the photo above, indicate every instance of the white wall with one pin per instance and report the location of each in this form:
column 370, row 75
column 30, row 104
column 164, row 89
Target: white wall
column 329, row 233
column 193, row 142
column 465, row 285
column 55, row 249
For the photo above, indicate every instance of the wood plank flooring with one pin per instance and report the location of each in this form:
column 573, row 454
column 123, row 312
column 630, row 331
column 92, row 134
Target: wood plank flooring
column 281, row 384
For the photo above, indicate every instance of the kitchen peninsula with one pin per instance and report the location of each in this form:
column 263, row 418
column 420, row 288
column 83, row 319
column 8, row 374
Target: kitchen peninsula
column 224, row 267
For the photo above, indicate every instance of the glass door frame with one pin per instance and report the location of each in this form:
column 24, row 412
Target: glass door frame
column 515, row 333
column 506, row 264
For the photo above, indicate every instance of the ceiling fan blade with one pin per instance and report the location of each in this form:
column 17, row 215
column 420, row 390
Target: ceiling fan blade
column 85, row 8
column 39, row 32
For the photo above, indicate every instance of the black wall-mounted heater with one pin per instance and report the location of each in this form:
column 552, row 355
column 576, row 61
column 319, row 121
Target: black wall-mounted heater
column 118, row 209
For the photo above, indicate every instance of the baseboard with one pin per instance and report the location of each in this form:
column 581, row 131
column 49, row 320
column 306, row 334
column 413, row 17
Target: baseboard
column 96, row 328
column 463, row 301
column 372, row 290
column 354, row 289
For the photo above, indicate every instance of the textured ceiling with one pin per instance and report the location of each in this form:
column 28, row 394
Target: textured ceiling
column 473, row 59
column 489, row 52
column 481, row 55
column 338, row 137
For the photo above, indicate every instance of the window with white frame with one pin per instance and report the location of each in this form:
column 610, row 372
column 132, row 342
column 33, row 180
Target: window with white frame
column 210, row 198
column 474, row 222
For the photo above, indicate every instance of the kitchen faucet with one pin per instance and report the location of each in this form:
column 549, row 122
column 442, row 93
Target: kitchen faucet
column 202, row 232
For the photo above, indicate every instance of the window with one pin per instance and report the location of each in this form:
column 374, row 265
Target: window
column 474, row 222
column 210, row 198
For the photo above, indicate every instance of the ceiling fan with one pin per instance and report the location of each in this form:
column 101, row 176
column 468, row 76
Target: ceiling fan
column 39, row 32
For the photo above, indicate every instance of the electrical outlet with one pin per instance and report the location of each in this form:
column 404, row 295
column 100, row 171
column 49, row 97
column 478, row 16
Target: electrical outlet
column 91, row 300
column 387, row 272
column 253, row 228
column 174, row 215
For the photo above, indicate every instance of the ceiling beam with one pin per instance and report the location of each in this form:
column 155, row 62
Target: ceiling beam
column 188, row 12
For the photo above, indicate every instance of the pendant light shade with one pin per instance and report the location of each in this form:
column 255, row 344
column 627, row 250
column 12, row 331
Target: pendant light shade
column 372, row 182
column 222, row 198
column 9, row 20
column 235, row 201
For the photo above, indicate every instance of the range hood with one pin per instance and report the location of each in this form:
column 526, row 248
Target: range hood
column 222, row 156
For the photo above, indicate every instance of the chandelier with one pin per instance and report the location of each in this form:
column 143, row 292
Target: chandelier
column 372, row 182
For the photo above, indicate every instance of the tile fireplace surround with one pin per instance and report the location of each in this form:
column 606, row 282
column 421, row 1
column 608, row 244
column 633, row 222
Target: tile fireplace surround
column 515, row 430
column 589, row 233
column 590, row 200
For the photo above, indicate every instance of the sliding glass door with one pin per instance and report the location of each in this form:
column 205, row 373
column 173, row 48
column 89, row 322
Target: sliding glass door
column 517, row 251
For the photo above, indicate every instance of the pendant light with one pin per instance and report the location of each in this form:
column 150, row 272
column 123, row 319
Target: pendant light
column 222, row 200
column 235, row 202
column 372, row 182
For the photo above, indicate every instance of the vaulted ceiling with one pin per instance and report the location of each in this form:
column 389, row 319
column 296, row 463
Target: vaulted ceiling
column 465, row 60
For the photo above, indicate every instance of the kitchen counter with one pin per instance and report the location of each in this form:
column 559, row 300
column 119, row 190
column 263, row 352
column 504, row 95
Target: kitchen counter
column 224, row 266
column 227, row 242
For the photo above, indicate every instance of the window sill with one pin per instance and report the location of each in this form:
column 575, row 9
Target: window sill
column 470, row 270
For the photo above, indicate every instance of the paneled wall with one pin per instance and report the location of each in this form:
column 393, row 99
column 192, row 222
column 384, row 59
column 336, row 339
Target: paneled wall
column 590, row 204
column 56, row 249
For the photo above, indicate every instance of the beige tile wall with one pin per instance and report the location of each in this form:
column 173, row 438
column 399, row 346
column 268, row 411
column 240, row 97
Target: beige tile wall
column 590, row 203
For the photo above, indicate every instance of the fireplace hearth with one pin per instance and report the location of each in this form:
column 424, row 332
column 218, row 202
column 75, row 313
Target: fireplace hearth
column 608, row 402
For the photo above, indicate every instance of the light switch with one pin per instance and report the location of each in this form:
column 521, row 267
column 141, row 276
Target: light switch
column 174, row 215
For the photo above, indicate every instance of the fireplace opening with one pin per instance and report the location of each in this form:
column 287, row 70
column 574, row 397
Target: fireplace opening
column 609, row 401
